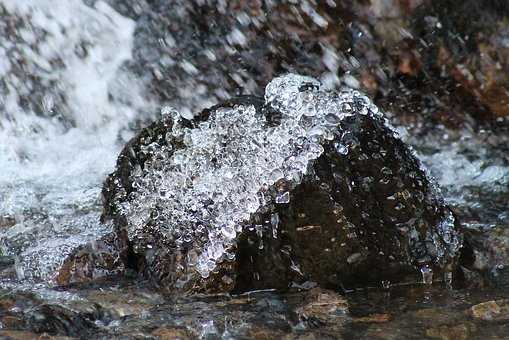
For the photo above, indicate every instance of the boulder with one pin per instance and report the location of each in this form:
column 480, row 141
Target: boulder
column 302, row 185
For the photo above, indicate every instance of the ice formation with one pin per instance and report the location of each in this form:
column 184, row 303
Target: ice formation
column 207, row 191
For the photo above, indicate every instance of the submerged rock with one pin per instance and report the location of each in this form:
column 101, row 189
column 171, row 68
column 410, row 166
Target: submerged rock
column 323, row 307
column 305, row 185
column 491, row 310
column 94, row 260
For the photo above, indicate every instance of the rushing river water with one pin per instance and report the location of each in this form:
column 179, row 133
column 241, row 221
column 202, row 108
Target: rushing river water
column 69, row 101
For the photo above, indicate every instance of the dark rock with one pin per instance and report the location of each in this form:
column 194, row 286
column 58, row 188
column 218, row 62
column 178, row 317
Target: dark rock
column 467, row 42
column 7, row 221
column 486, row 259
column 23, row 311
column 363, row 211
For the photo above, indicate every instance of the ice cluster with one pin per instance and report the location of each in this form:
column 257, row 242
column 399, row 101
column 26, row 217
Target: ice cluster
column 201, row 196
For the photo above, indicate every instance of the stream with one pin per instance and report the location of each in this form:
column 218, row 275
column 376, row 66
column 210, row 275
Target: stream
column 79, row 79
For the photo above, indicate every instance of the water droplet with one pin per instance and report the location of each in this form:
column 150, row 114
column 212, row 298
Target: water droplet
column 274, row 221
column 346, row 108
column 448, row 280
column 341, row 148
column 427, row 275
column 283, row 197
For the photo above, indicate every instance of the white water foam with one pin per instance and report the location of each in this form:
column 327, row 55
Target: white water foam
column 52, row 170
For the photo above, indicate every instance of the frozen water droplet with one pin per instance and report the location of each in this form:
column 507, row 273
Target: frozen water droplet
column 341, row 148
column 346, row 108
column 332, row 119
column 276, row 175
column 274, row 221
column 283, row 197
column 169, row 114
column 427, row 275
column 386, row 284
column 229, row 231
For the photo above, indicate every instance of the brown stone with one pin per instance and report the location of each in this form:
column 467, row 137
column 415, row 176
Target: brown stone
column 373, row 318
column 6, row 304
column 169, row 333
column 325, row 306
column 259, row 333
column 23, row 335
column 447, row 332
column 93, row 261
column 123, row 304
column 12, row 322
column 491, row 310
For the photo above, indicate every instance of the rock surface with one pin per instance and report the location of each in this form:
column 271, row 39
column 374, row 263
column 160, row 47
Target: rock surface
column 309, row 185
column 491, row 310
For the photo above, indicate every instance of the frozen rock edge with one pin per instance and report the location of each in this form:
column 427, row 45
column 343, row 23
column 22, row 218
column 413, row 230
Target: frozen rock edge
column 186, row 192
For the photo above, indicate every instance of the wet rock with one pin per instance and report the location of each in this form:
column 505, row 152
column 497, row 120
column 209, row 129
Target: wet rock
column 479, row 60
column 487, row 257
column 166, row 333
column 312, row 336
column 373, row 318
column 55, row 319
column 98, row 259
column 24, row 311
column 122, row 303
column 260, row 333
column 7, row 221
column 491, row 310
column 452, row 332
column 12, row 322
column 310, row 183
column 23, row 335
column 323, row 307
column 433, row 316
column 259, row 315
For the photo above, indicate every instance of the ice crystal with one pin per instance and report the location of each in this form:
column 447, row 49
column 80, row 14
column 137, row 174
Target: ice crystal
column 202, row 195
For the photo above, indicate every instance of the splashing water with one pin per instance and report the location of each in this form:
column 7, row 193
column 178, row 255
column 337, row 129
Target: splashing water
column 473, row 175
column 64, row 108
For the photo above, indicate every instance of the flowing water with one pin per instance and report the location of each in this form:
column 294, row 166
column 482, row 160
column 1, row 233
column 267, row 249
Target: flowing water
column 55, row 154
column 69, row 101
